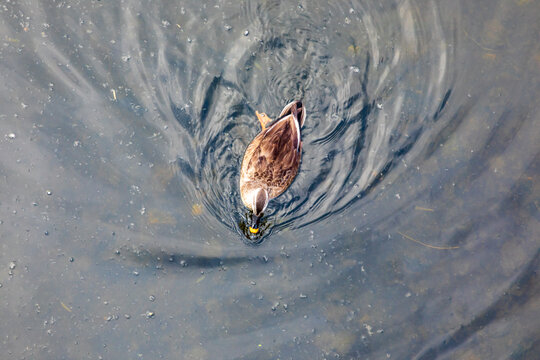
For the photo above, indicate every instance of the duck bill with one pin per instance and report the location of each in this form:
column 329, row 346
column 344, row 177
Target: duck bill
column 254, row 227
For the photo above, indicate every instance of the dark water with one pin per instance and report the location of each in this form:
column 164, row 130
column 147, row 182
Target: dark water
column 411, row 231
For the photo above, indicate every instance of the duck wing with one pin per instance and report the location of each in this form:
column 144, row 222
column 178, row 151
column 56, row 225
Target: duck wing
column 273, row 157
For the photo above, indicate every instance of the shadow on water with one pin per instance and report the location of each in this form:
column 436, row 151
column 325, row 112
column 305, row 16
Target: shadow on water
column 157, row 258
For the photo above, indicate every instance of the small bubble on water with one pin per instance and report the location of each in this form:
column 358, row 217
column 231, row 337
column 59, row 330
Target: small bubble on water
column 136, row 273
column 228, row 27
column 11, row 136
column 127, row 316
column 46, row 233
column 246, row 33
column 49, row 192
column 12, row 265
column 150, row 314
column 71, row 259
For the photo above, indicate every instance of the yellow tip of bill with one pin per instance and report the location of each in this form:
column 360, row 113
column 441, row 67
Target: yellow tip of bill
column 253, row 231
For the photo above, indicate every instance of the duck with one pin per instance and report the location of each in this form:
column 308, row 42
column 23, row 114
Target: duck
column 271, row 160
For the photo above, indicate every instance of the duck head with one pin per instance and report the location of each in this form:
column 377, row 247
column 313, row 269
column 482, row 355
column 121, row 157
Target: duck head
column 259, row 204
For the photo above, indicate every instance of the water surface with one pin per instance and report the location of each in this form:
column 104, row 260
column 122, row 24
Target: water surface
column 411, row 231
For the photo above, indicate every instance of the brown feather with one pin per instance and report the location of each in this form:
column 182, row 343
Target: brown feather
column 272, row 159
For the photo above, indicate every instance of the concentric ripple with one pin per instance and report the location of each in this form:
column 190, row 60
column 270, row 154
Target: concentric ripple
column 363, row 118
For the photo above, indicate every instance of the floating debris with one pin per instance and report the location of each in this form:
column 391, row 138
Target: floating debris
column 11, row 136
column 422, row 208
column 65, row 307
column 196, row 209
column 428, row 245
column 150, row 314
column 12, row 265
column 369, row 329
column 49, row 192
column 246, row 33
column 228, row 27
column 353, row 50
column 151, row 298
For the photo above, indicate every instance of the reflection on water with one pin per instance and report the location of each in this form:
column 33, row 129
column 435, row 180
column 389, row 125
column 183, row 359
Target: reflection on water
column 410, row 231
